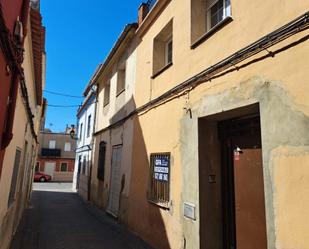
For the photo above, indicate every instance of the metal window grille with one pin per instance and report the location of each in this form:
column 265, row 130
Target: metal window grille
column 159, row 179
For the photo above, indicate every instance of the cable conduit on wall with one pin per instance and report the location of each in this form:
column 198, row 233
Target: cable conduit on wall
column 299, row 24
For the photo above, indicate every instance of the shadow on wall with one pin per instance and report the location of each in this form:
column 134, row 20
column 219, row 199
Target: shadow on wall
column 142, row 217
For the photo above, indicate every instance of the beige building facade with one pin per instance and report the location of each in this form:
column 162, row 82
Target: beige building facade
column 213, row 151
column 115, row 80
column 20, row 155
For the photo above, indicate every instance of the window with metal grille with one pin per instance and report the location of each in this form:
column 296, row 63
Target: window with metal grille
column 159, row 179
column 101, row 162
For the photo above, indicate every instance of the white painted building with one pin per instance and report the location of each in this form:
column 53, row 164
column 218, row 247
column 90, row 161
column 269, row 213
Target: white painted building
column 84, row 146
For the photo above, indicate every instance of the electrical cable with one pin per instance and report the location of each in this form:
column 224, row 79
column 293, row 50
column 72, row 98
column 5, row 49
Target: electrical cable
column 296, row 26
column 63, row 106
column 62, row 94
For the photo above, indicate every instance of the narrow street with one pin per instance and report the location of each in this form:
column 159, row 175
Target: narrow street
column 57, row 218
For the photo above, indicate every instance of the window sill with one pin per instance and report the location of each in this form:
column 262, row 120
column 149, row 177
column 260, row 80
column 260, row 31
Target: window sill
column 105, row 104
column 162, row 70
column 213, row 30
column 162, row 205
column 120, row 92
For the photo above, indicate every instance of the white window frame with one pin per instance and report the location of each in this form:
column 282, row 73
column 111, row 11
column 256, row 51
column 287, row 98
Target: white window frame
column 67, row 146
column 52, row 144
column 226, row 12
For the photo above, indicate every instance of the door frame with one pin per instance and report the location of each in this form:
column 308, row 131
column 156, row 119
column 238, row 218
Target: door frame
column 248, row 135
column 210, row 165
column 110, row 182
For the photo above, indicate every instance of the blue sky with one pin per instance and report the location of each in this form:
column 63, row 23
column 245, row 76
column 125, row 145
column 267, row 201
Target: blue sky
column 79, row 35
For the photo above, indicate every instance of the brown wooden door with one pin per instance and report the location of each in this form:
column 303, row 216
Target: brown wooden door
column 249, row 200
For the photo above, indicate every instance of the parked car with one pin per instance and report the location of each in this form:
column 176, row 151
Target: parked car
column 41, row 177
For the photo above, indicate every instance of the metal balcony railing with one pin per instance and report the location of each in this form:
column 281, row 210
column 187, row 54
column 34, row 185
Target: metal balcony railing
column 50, row 152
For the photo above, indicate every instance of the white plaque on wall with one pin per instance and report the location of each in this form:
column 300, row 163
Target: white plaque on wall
column 189, row 210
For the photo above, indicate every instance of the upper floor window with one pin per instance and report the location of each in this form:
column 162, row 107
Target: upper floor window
column 169, row 51
column 52, row 144
column 89, row 126
column 67, row 147
column 216, row 11
column 106, row 94
column 121, row 79
column 207, row 17
column 163, row 49
column 81, row 131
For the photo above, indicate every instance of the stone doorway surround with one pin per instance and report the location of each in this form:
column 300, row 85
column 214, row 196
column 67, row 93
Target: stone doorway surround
column 283, row 124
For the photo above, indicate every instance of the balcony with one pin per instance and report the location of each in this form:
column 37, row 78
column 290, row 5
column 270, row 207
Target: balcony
column 50, row 152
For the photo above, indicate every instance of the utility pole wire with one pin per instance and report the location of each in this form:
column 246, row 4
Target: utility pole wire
column 62, row 94
column 64, row 106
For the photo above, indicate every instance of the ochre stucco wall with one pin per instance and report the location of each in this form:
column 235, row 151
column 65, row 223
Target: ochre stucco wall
column 291, row 197
column 279, row 85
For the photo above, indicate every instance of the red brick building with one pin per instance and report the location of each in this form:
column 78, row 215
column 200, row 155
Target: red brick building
column 56, row 156
column 13, row 23
column 64, row 167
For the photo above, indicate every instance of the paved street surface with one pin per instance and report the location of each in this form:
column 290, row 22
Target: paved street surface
column 52, row 186
column 58, row 219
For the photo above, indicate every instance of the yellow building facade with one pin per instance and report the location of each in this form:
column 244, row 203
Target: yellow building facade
column 218, row 149
column 20, row 155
